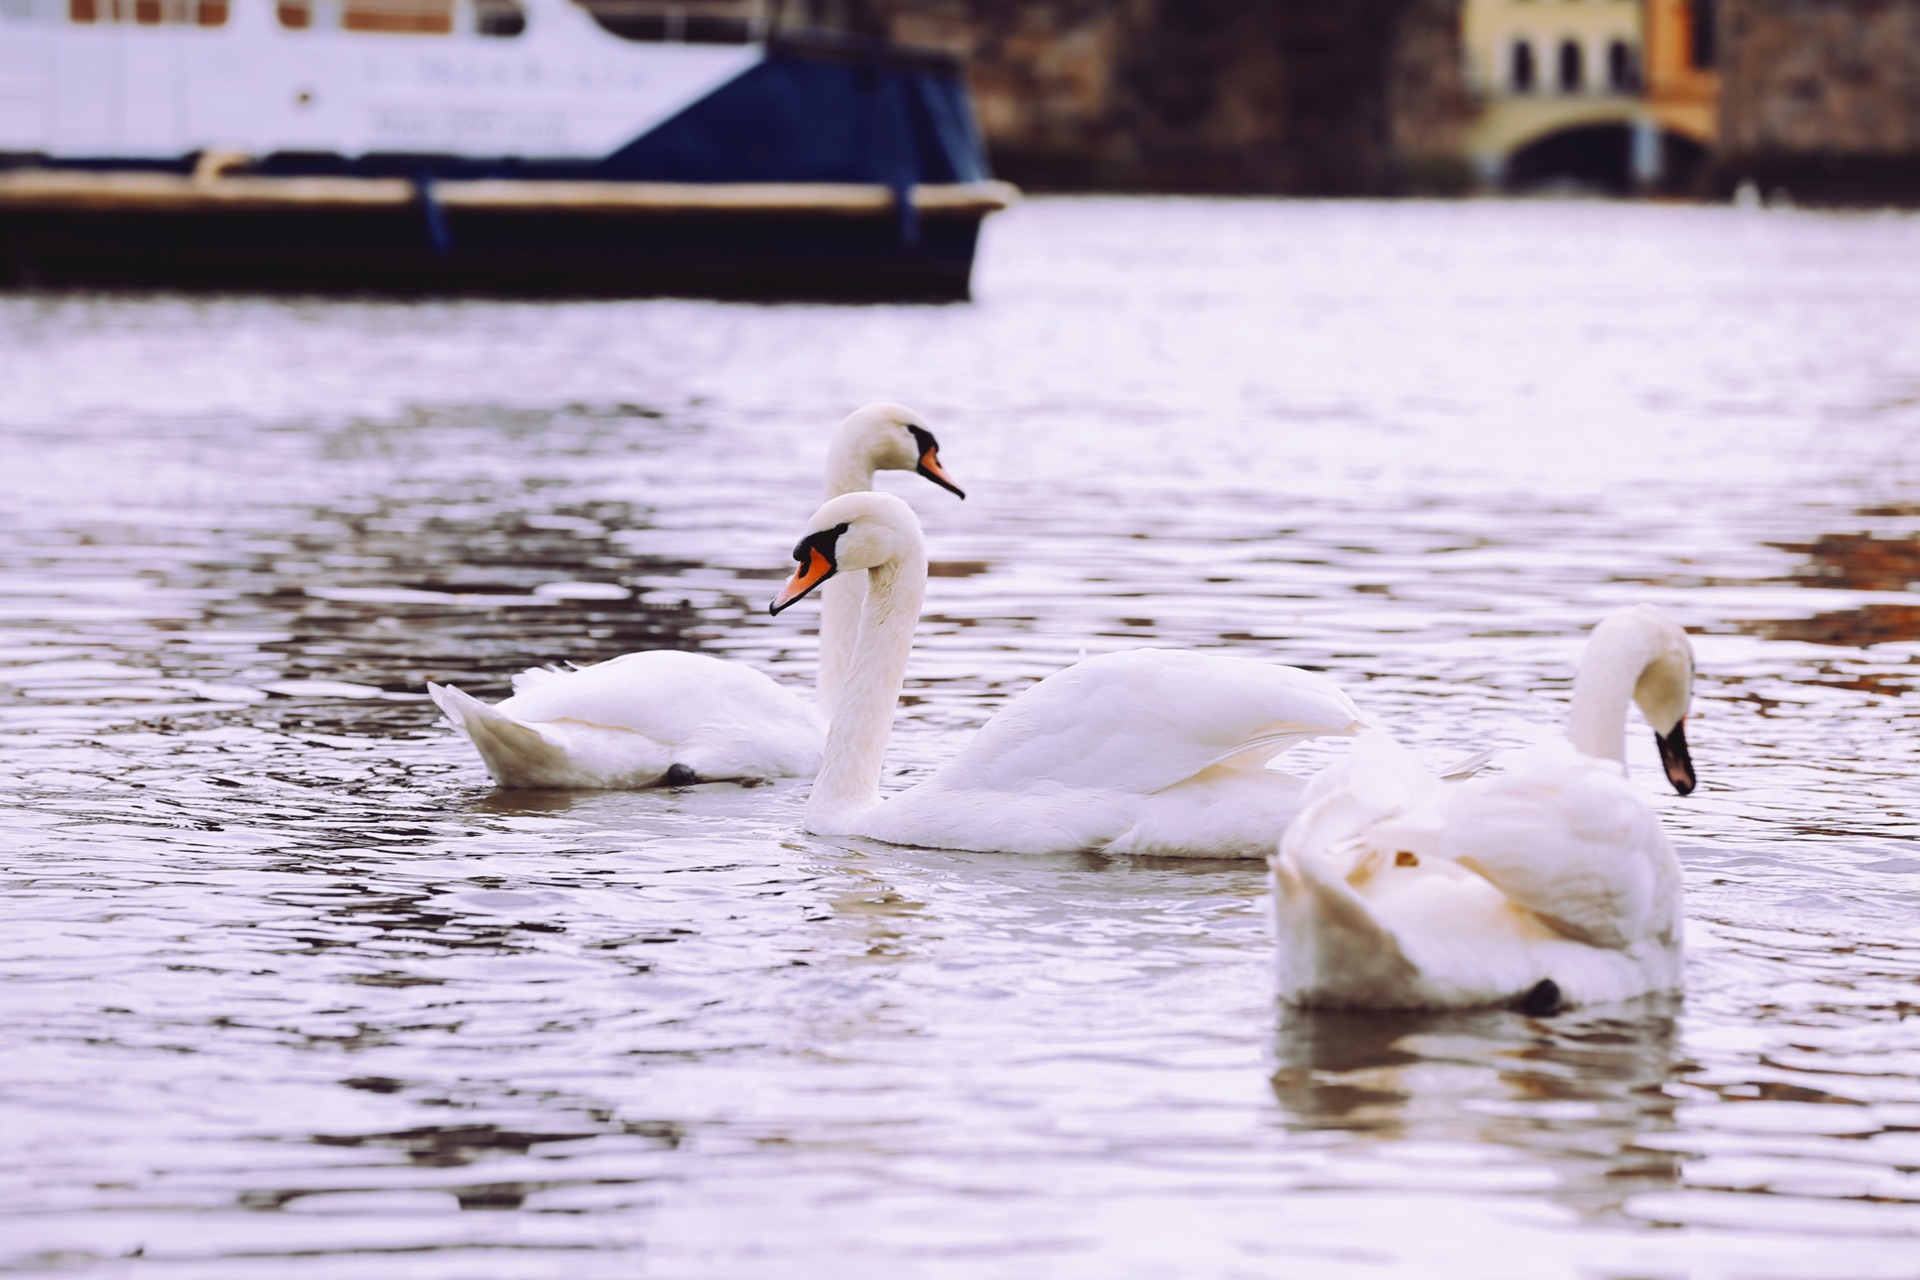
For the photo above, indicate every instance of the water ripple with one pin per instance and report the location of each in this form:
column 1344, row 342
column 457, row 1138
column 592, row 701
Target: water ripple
column 289, row 989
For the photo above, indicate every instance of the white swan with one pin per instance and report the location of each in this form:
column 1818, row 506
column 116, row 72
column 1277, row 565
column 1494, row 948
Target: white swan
column 1550, row 885
column 1153, row 751
column 668, row 717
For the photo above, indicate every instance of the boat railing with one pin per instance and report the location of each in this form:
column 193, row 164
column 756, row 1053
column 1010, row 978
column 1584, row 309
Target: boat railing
column 821, row 26
column 653, row 21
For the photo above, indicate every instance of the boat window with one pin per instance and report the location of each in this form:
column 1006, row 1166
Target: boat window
column 410, row 17
column 683, row 21
column 401, row 17
column 499, row 17
column 150, row 13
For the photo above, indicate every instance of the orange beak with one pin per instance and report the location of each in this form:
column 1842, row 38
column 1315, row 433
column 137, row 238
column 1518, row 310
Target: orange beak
column 815, row 571
column 930, row 468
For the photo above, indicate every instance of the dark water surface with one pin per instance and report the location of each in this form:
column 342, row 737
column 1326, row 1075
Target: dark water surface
column 288, row 991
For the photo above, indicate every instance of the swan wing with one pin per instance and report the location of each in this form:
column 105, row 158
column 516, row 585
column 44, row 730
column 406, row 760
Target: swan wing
column 667, row 693
column 1567, row 840
column 720, row 719
column 1140, row 721
column 1563, row 837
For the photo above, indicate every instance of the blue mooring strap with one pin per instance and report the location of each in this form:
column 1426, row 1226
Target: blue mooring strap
column 906, row 214
column 439, row 234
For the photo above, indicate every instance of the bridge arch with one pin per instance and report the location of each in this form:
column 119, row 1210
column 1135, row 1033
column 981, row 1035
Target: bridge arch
column 1524, row 141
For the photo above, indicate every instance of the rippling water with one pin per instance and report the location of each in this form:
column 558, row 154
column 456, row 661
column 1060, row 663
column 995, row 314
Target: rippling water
column 289, row 991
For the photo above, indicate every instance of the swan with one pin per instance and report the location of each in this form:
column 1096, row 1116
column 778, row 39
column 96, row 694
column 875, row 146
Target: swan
column 1149, row 751
column 1548, row 886
column 667, row 717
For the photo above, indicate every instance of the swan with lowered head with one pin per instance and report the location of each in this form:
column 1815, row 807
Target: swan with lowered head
column 1547, row 886
column 1152, row 751
column 664, row 716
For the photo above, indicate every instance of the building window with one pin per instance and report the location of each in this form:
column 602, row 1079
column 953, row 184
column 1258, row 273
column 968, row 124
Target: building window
column 1522, row 67
column 1573, row 71
column 1622, row 75
column 1700, row 33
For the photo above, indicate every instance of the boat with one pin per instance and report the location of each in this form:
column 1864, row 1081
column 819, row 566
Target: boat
column 598, row 147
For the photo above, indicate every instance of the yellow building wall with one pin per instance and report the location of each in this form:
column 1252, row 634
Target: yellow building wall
column 1492, row 27
column 1664, row 88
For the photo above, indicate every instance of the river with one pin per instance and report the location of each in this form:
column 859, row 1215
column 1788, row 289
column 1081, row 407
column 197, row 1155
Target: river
column 290, row 991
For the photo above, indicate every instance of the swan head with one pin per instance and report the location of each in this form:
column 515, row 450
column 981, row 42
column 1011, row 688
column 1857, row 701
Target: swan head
column 1663, row 686
column 852, row 532
column 889, row 437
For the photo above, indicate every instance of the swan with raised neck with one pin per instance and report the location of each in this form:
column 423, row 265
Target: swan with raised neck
column 877, row 537
column 1143, row 751
column 877, row 437
column 668, row 717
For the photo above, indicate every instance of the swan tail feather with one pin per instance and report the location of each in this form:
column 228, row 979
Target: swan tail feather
column 515, row 754
column 1470, row 765
column 1334, row 952
column 539, row 677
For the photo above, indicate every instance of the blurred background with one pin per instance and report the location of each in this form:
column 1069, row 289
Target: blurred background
column 1396, row 97
column 287, row 988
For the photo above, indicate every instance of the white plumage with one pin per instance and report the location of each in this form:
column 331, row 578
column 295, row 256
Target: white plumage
column 1552, row 884
column 1147, row 751
column 639, row 720
column 667, row 717
column 1152, row 751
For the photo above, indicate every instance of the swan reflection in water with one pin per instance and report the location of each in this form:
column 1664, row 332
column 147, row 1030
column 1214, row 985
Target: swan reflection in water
column 1490, row 1100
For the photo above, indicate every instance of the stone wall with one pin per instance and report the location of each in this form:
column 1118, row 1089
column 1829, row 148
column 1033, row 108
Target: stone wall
column 1822, row 98
column 1325, row 97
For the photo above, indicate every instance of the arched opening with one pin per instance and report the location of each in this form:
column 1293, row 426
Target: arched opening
column 1593, row 158
column 1573, row 70
column 1520, row 67
column 1597, row 159
column 1622, row 75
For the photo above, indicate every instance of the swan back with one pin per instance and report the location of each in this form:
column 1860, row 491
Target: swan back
column 671, row 695
column 1139, row 721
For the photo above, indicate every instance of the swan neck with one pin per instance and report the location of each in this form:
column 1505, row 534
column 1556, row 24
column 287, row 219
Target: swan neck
column 841, row 599
column 1603, row 688
column 849, row 470
column 849, row 778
